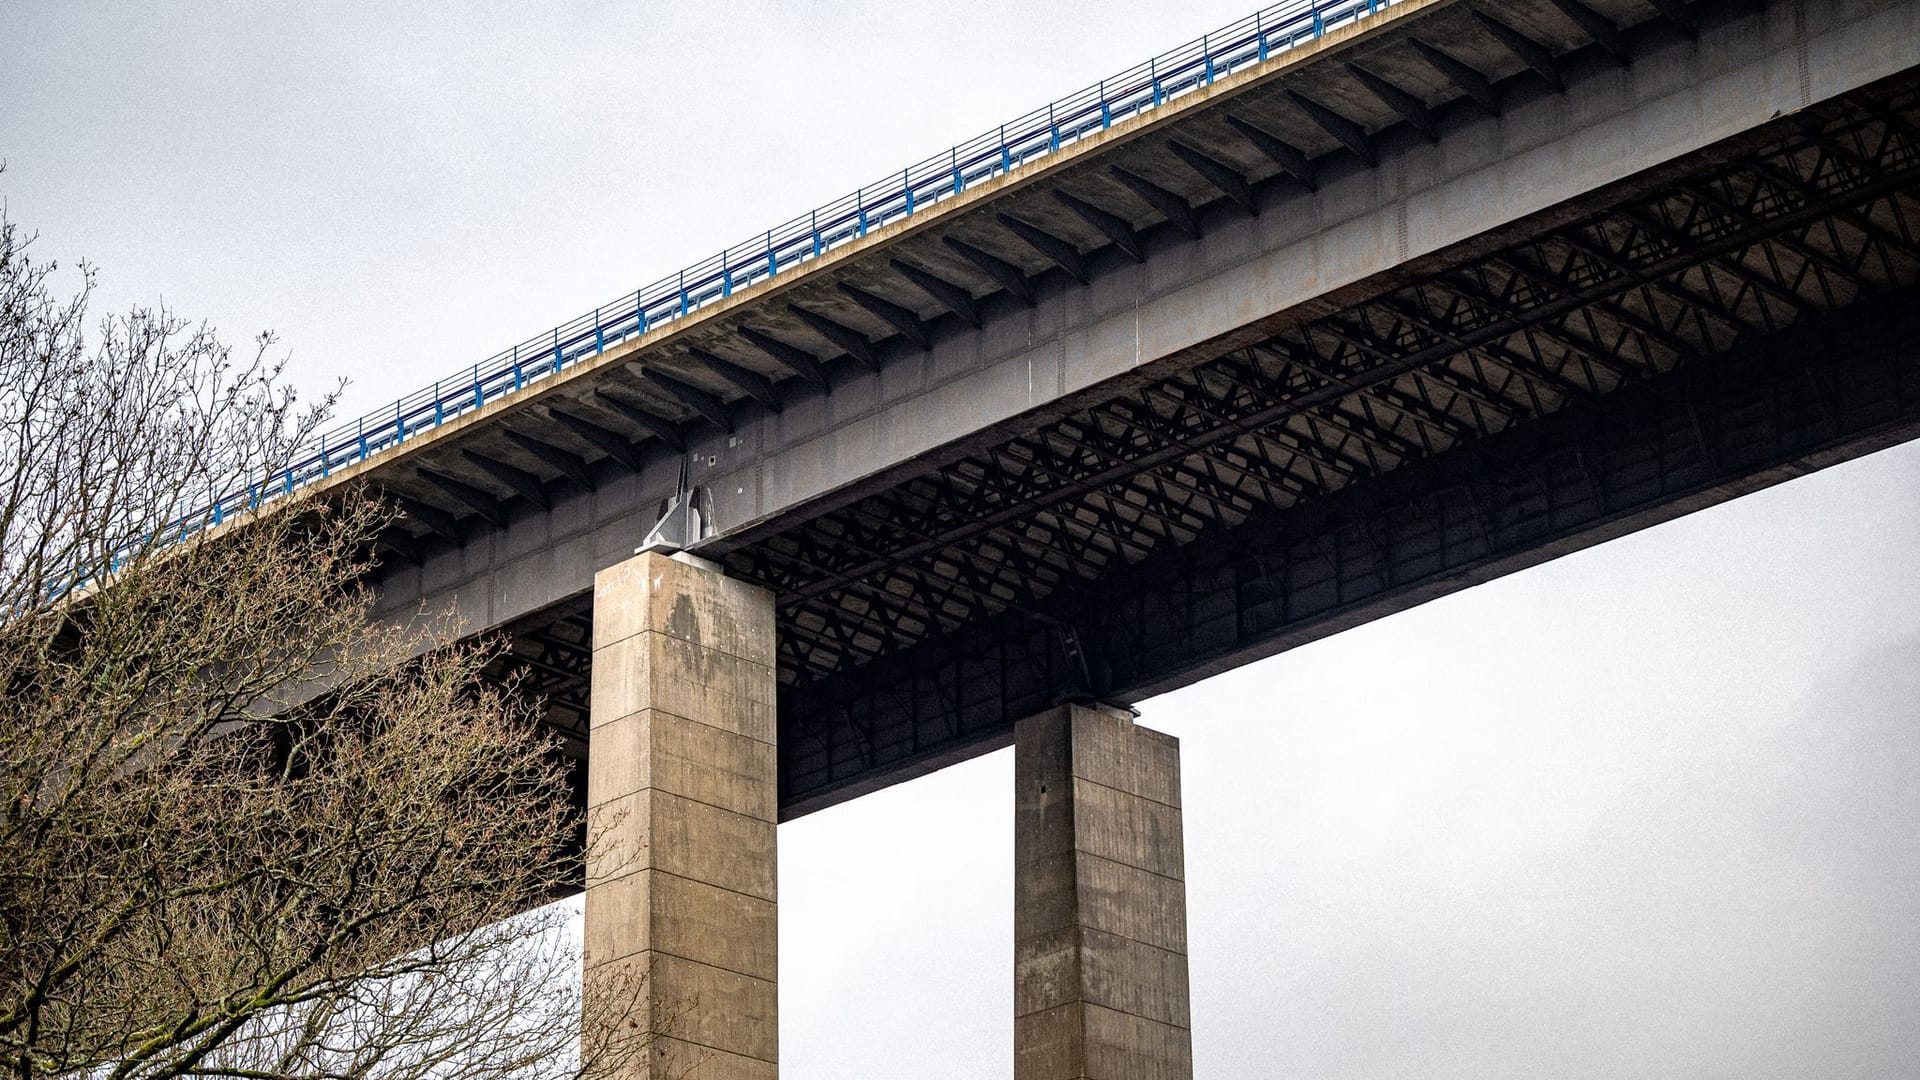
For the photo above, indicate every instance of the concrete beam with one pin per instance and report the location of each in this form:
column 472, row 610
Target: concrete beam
column 1186, row 301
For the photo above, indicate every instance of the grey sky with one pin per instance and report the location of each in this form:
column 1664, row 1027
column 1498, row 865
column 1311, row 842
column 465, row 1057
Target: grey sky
column 1648, row 810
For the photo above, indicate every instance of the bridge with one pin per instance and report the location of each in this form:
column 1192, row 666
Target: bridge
column 1337, row 310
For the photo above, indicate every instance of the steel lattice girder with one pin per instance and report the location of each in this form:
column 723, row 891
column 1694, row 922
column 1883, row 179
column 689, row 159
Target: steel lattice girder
column 1828, row 389
column 549, row 660
column 1562, row 318
column 1717, row 330
column 999, row 556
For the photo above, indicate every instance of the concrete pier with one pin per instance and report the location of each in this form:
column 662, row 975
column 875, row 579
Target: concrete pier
column 681, row 790
column 1100, row 908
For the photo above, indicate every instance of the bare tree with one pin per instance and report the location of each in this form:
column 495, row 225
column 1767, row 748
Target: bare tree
column 206, row 868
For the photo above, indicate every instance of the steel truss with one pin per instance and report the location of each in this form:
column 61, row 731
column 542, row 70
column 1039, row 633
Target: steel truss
column 1499, row 409
column 549, row 658
column 1718, row 327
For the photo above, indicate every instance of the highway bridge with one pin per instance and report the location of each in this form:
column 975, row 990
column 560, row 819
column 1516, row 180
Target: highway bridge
column 1335, row 311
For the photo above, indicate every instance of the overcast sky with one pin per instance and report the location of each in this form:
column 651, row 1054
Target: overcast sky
column 1649, row 810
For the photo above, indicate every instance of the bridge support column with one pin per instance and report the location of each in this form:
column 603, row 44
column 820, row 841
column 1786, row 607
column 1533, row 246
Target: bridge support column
column 1100, row 903
column 681, row 784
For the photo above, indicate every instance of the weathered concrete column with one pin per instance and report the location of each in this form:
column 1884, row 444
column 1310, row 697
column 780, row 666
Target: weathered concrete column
column 1100, row 902
column 681, row 783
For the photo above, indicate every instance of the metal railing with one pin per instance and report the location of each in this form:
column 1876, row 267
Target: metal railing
column 1010, row 147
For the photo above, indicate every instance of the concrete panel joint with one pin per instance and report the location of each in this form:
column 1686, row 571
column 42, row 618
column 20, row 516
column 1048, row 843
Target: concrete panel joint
column 1100, row 920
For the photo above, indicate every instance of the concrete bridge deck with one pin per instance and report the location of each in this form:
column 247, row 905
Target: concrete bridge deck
column 1441, row 294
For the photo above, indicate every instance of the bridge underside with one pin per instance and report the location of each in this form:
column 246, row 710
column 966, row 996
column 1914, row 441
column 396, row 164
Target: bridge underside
column 1735, row 319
